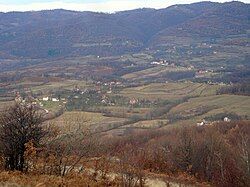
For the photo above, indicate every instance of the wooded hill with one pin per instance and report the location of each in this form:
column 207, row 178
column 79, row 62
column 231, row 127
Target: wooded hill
column 61, row 33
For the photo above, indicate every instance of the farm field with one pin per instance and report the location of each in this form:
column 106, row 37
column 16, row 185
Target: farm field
column 157, row 105
column 152, row 73
column 239, row 105
column 81, row 121
column 50, row 86
column 197, row 109
column 66, row 85
column 160, row 102
column 170, row 90
column 126, row 111
column 148, row 124
column 202, row 102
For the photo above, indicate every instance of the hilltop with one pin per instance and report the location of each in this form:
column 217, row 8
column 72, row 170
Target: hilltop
column 62, row 33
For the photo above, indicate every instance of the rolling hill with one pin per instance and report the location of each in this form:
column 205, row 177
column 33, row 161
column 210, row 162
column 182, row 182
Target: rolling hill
column 61, row 33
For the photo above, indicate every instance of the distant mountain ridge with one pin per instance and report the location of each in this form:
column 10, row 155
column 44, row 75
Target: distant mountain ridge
column 62, row 33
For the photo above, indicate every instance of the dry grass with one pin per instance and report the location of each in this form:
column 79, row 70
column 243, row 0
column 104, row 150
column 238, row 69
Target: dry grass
column 152, row 72
column 148, row 124
column 227, row 103
column 170, row 90
column 5, row 104
column 73, row 121
column 17, row 179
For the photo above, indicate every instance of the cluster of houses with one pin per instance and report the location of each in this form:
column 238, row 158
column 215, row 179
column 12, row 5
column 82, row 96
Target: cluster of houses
column 133, row 101
column 105, row 100
column 204, row 122
column 35, row 101
column 218, row 83
column 53, row 99
column 202, row 73
column 112, row 83
column 29, row 101
column 50, row 99
column 98, row 89
column 77, row 90
column 171, row 64
column 163, row 63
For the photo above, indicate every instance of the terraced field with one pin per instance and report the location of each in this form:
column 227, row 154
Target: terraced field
column 126, row 111
column 147, row 124
column 44, row 86
column 68, row 84
column 218, row 103
column 152, row 72
column 170, row 90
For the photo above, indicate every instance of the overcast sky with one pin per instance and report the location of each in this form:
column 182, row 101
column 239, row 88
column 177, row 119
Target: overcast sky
column 91, row 5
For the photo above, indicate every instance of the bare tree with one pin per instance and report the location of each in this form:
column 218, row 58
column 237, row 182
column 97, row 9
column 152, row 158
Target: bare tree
column 19, row 125
column 184, row 150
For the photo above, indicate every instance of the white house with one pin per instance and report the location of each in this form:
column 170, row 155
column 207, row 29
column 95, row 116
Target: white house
column 155, row 63
column 200, row 124
column 204, row 122
column 55, row 99
column 104, row 101
column 45, row 98
column 226, row 119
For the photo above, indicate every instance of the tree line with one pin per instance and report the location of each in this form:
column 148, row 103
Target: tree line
column 237, row 89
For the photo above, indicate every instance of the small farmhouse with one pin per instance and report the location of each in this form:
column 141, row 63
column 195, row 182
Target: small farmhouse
column 45, row 98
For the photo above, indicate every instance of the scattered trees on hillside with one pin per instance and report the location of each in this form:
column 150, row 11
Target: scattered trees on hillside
column 218, row 154
column 64, row 154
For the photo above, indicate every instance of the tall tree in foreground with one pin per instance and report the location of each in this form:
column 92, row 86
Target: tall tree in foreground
column 19, row 125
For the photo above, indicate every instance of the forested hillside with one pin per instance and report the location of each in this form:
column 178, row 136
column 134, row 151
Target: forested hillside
column 60, row 33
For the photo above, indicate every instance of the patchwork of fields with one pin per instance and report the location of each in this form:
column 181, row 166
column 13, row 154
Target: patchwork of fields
column 157, row 105
column 73, row 122
column 117, row 94
column 171, row 90
column 198, row 101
